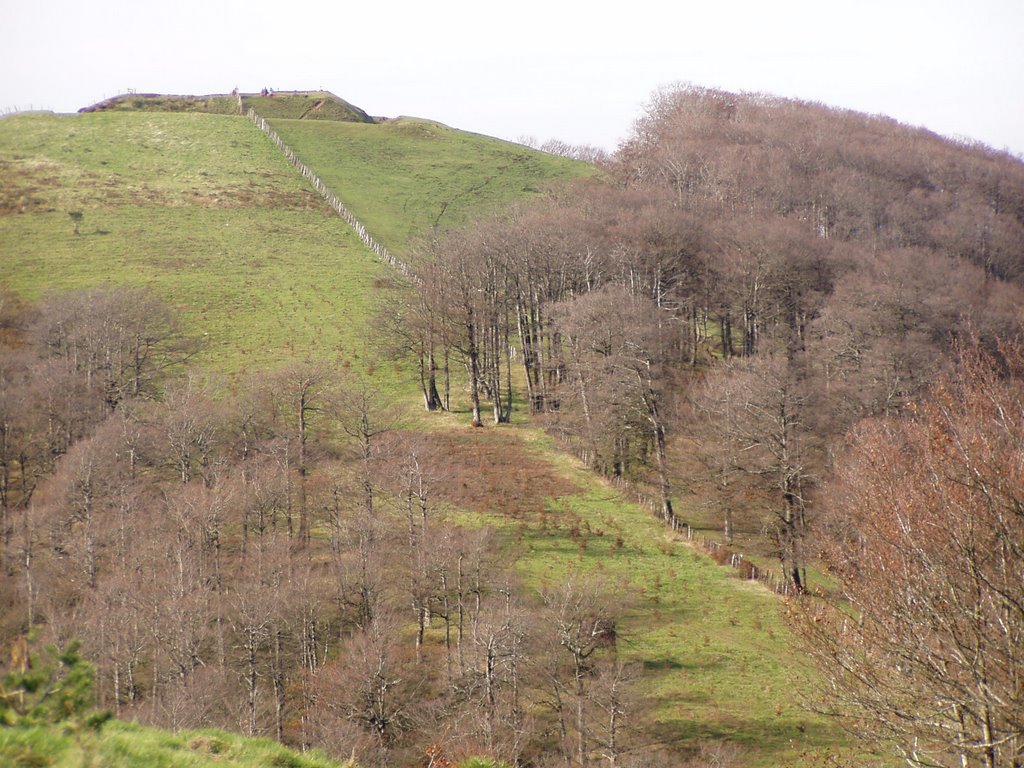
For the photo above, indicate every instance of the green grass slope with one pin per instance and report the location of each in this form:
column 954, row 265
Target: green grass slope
column 126, row 745
column 204, row 210
column 404, row 177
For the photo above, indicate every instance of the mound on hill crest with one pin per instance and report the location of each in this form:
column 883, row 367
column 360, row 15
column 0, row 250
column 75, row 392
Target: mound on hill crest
column 298, row 105
column 220, row 104
column 305, row 105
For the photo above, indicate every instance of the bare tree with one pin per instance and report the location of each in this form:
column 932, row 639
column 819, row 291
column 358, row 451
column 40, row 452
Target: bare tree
column 373, row 687
column 183, row 429
column 581, row 622
column 758, row 412
column 925, row 531
column 122, row 340
column 622, row 348
column 300, row 393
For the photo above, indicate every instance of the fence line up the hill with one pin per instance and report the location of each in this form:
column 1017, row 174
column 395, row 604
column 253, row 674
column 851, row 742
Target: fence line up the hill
column 368, row 240
column 724, row 555
column 720, row 553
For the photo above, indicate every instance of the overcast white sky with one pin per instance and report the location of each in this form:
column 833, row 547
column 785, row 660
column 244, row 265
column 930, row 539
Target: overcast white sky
column 576, row 70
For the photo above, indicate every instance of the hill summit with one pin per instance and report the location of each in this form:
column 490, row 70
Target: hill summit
column 300, row 105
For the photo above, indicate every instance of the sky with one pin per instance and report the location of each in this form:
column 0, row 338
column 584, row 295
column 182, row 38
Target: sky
column 574, row 70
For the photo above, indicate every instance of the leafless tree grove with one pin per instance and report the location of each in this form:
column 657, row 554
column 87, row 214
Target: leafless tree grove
column 759, row 278
column 759, row 275
column 255, row 561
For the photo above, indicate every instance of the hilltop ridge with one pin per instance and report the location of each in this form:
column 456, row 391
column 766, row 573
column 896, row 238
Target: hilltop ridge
column 299, row 105
column 223, row 104
column 306, row 105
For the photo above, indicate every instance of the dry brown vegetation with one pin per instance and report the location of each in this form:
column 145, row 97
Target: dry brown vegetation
column 925, row 529
column 28, row 188
column 488, row 473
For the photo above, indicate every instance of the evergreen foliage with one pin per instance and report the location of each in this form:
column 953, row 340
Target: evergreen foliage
column 56, row 688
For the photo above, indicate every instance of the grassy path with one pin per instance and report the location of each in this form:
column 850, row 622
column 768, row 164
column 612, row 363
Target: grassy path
column 715, row 652
column 716, row 655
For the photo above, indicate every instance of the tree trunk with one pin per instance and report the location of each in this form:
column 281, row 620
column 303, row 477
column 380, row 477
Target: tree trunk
column 474, row 370
column 433, row 398
column 447, row 402
column 303, row 470
column 424, row 387
column 661, row 453
column 279, row 689
column 726, row 332
column 526, row 340
column 581, row 739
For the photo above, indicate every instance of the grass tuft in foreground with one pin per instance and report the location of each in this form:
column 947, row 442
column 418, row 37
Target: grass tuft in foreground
column 127, row 745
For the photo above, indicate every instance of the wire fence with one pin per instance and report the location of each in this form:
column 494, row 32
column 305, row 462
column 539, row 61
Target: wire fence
column 724, row 555
column 720, row 553
column 332, row 199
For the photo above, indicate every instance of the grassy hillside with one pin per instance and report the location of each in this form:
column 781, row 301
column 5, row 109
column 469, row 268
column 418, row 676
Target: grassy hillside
column 203, row 209
column 404, row 177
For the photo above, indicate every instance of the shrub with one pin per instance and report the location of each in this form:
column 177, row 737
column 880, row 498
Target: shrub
column 58, row 690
